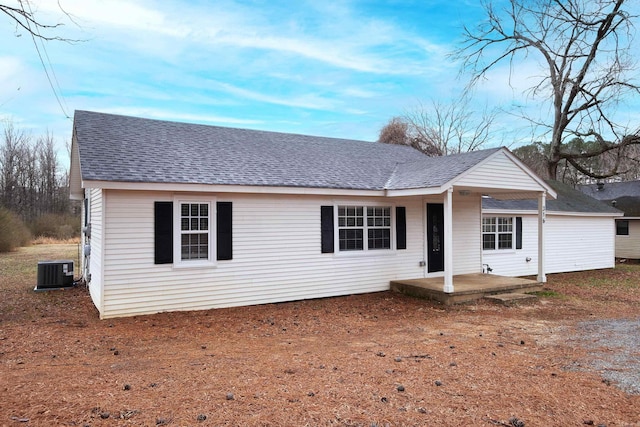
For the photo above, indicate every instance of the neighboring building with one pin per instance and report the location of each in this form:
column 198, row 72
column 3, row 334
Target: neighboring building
column 579, row 234
column 184, row 217
column 626, row 197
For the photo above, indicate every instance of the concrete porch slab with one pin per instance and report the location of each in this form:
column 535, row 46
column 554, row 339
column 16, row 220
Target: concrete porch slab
column 466, row 287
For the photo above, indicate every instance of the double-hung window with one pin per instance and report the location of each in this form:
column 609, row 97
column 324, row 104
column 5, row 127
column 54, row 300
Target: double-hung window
column 362, row 228
column 497, row 233
column 194, row 232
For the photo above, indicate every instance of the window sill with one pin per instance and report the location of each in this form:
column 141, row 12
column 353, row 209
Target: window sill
column 499, row 251
column 366, row 254
column 193, row 265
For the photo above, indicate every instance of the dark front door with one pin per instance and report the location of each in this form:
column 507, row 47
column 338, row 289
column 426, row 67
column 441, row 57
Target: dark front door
column 435, row 237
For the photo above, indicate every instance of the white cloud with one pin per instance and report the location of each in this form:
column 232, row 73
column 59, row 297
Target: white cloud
column 307, row 101
column 336, row 38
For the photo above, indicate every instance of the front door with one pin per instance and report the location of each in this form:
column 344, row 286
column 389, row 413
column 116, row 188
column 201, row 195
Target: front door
column 435, row 237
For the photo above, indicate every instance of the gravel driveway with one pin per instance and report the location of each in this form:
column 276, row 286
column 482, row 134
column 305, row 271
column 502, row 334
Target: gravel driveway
column 615, row 350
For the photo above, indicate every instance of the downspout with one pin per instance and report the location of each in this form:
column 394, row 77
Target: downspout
column 542, row 213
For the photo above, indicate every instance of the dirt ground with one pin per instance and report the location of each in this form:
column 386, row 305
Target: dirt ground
column 366, row 360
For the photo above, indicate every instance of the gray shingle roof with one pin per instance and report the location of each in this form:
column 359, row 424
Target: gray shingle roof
column 568, row 200
column 625, row 194
column 131, row 149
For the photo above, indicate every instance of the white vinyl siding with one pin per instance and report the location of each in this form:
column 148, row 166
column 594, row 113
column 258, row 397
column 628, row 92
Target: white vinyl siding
column 276, row 257
column 96, row 203
column 467, row 253
column 498, row 172
column 629, row 246
column 572, row 243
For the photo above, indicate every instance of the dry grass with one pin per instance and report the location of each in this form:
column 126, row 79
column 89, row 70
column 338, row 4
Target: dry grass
column 377, row 359
column 54, row 241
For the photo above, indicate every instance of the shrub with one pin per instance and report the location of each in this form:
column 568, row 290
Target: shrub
column 56, row 226
column 13, row 232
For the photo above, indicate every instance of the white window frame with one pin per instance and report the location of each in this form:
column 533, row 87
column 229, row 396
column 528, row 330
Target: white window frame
column 365, row 227
column 178, row 262
column 496, row 233
column 628, row 227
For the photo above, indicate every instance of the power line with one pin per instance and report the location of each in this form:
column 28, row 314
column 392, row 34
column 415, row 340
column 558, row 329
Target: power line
column 33, row 33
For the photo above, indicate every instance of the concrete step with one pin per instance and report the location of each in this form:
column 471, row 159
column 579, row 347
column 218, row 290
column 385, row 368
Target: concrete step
column 511, row 298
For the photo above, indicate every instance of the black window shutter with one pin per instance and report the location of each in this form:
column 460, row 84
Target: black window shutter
column 401, row 227
column 163, row 229
column 86, row 212
column 224, row 225
column 518, row 232
column 326, row 228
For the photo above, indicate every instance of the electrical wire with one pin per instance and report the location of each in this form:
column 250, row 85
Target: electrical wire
column 33, row 32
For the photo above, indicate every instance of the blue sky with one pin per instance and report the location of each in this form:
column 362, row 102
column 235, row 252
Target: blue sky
column 331, row 68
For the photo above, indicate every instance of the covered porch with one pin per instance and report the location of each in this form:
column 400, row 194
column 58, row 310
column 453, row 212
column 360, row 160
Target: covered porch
column 467, row 287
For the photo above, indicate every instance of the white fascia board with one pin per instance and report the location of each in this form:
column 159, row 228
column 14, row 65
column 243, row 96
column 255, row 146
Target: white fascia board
column 429, row 191
column 549, row 212
column 212, row 188
column 599, row 214
column 509, row 212
column 75, row 179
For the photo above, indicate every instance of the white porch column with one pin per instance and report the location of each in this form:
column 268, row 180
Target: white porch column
column 448, row 241
column 542, row 213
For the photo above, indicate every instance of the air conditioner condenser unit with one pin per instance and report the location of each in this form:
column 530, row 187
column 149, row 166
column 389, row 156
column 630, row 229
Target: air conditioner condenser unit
column 54, row 275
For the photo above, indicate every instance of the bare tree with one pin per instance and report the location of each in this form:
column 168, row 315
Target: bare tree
column 395, row 132
column 454, row 127
column 12, row 153
column 536, row 157
column 31, row 183
column 440, row 129
column 24, row 18
column 584, row 48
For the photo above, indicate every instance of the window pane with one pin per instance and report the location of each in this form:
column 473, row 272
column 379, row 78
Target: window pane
column 505, row 241
column 204, row 252
column 204, row 224
column 505, row 225
column 204, row 209
column 184, row 209
column 488, row 241
column 488, row 225
column 379, row 238
column 194, row 223
column 351, row 240
column 184, row 224
column 194, row 209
